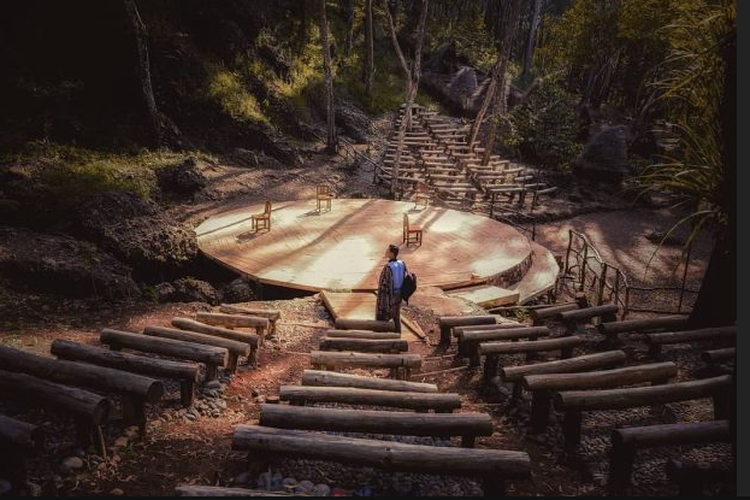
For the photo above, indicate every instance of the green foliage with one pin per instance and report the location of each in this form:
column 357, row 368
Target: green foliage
column 545, row 127
column 226, row 88
column 469, row 34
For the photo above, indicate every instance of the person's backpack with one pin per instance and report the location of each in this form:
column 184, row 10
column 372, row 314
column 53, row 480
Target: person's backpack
column 409, row 286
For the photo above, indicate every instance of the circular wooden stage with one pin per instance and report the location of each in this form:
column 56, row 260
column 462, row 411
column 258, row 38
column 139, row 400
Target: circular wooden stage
column 344, row 248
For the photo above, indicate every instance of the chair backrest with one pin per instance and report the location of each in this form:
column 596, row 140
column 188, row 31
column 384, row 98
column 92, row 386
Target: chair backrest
column 406, row 221
column 421, row 188
column 323, row 189
column 267, row 209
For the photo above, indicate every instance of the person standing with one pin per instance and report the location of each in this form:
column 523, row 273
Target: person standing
column 389, row 288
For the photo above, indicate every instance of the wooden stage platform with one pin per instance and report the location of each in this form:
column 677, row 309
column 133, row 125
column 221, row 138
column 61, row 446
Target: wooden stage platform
column 344, row 249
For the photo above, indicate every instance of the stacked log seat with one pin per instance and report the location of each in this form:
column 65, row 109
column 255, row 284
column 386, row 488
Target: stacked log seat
column 235, row 348
column 365, row 324
column 363, row 345
column 465, row 425
column 447, row 323
column 655, row 341
column 231, row 321
column 574, row 318
column 469, row 339
column 627, row 441
column 494, row 467
column 397, row 363
column 614, row 328
column 186, row 373
column 493, row 350
column 302, row 395
column 574, row 403
column 273, row 315
column 212, row 357
column 542, row 386
column 333, row 379
column 538, row 316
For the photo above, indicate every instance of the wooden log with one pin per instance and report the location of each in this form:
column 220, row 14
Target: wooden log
column 195, row 490
column 362, row 334
column 272, row 314
column 616, row 399
column 627, row 441
column 570, row 365
column 93, row 407
column 186, row 373
column 640, row 325
column 20, row 435
column 348, row 395
column 719, row 355
column 333, row 379
column 657, row 340
column 191, row 325
column 376, row 421
column 458, row 330
column 235, row 349
column 81, row 374
column 364, row 324
column 587, row 313
column 216, row 356
column 363, row 345
column 448, row 322
column 468, row 340
column 493, row 350
column 539, row 315
column 495, row 465
column 354, row 359
column 235, row 321
column 617, row 377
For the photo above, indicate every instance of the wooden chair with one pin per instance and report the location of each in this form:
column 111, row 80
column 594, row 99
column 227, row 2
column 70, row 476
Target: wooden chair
column 323, row 195
column 412, row 234
column 421, row 195
column 263, row 219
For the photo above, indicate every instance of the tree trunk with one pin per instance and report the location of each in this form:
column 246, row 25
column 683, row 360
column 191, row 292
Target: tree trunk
column 369, row 72
column 349, row 7
column 331, row 139
column 143, row 69
column 536, row 15
column 302, row 30
column 717, row 299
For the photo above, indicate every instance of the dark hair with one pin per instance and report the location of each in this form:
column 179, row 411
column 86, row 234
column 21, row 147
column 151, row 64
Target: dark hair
column 393, row 249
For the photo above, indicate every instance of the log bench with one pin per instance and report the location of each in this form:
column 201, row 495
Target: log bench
column 213, row 357
column 362, row 334
column 465, row 425
column 233, row 347
column 197, row 490
column 714, row 358
column 18, row 441
column 627, row 441
column 573, row 319
column 691, row 476
column 614, row 328
column 447, row 323
column 574, row 403
column 597, row 361
column 493, row 467
column 89, row 410
column 400, row 365
column 272, row 315
column 469, row 339
column 365, row 324
column 134, row 390
column 655, row 341
column 250, row 339
column 493, row 350
column 542, row 386
column 232, row 321
column 538, row 316
column 186, row 373
column 332, row 379
column 363, row 345
column 423, row 401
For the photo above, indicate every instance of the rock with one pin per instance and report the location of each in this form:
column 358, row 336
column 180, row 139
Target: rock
column 304, row 486
column 238, row 290
column 121, row 442
column 463, row 85
column 289, row 483
column 182, row 179
column 33, row 489
column 241, row 478
column 321, row 490
column 62, row 265
column 73, row 463
column 355, row 123
column 190, row 416
column 116, row 492
column 605, row 155
column 212, row 384
column 187, row 290
column 265, row 481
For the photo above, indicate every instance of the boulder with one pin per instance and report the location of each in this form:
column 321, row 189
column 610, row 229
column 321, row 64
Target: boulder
column 238, row 290
column 188, row 290
column 62, row 265
column 183, row 179
column 353, row 121
column 463, row 85
column 605, row 155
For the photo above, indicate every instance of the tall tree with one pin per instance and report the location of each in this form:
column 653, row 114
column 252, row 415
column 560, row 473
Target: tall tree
column 331, row 138
column 413, row 73
column 536, row 16
column 369, row 72
column 349, row 11
column 143, row 69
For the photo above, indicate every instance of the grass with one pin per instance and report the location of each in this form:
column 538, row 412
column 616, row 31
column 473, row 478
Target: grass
column 227, row 89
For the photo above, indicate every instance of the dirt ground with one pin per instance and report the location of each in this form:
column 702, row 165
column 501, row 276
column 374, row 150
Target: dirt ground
column 177, row 450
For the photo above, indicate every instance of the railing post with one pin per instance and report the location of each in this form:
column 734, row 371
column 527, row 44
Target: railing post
column 583, row 266
column 602, row 283
column 567, row 252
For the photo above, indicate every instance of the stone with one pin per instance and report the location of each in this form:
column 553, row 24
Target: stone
column 182, row 179
column 33, row 489
column 190, row 416
column 605, row 155
column 116, row 492
column 212, row 384
column 187, row 290
column 289, row 483
column 305, row 486
column 238, row 290
column 73, row 463
column 241, row 478
column 121, row 442
column 321, row 490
